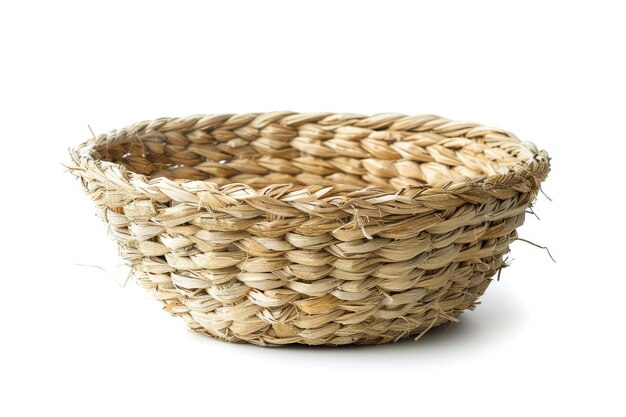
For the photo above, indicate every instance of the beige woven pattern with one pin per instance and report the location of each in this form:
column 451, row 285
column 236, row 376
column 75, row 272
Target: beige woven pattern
column 281, row 227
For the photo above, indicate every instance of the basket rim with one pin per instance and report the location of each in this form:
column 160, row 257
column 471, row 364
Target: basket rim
column 525, row 176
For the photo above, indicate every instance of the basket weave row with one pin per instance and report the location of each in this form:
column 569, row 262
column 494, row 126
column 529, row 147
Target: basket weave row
column 323, row 228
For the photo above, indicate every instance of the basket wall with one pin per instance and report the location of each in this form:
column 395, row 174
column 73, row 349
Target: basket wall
column 334, row 229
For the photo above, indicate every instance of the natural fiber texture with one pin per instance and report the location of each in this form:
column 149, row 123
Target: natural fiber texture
column 323, row 228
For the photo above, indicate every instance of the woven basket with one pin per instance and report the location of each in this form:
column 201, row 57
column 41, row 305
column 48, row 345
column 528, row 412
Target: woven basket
column 323, row 228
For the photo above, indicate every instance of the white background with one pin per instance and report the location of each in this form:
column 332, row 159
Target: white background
column 547, row 337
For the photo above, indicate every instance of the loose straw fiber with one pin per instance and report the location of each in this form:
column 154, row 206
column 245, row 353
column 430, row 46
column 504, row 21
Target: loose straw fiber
column 323, row 228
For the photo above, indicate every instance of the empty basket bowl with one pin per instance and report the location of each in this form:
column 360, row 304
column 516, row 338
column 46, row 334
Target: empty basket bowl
column 322, row 228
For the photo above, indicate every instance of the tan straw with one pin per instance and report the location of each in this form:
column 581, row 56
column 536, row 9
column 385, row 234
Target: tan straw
column 317, row 228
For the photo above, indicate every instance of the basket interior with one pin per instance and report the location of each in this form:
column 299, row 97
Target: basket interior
column 315, row 154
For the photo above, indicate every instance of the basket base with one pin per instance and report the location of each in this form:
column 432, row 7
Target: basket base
column 363, row 341
column 371, row 330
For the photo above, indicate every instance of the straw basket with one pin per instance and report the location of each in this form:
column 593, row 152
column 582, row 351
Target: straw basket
column 323, row 228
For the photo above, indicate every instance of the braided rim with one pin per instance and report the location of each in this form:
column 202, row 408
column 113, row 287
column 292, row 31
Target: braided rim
column 317, row 200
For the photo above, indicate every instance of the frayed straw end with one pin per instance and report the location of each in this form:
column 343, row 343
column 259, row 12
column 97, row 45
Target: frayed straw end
column 538, row 246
